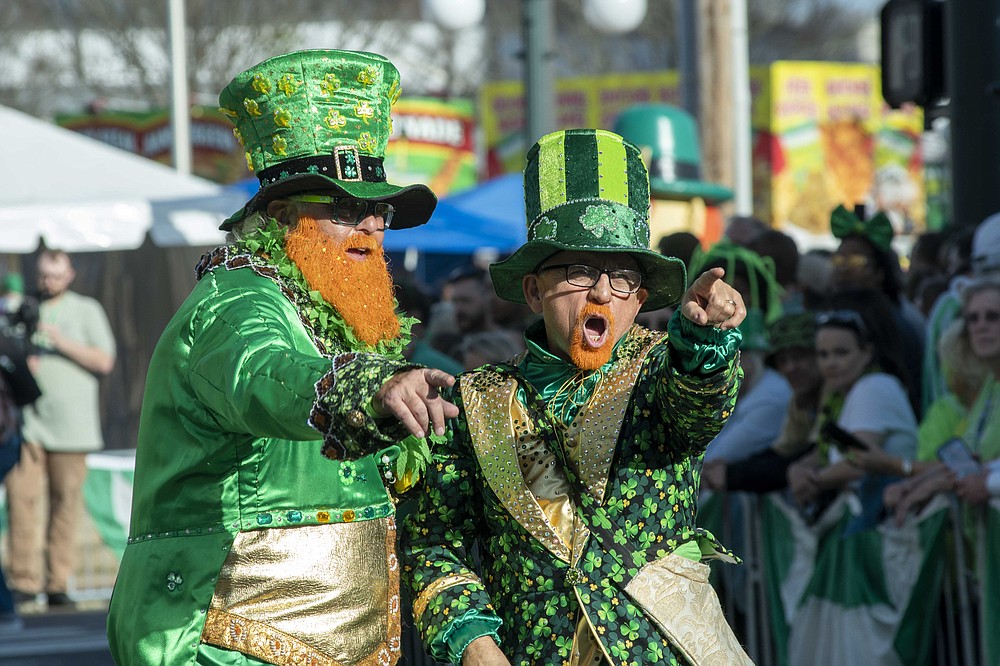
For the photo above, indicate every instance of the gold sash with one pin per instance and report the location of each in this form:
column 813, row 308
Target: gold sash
column 325, row 595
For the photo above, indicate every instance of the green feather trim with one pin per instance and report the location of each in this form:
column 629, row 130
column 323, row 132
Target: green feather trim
column 415, row 455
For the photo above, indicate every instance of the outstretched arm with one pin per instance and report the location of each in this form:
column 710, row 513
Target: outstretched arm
column 697, row 372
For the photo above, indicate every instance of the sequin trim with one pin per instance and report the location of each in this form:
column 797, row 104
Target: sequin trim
column 440, row 585
column 186, row 531
column 297, row 518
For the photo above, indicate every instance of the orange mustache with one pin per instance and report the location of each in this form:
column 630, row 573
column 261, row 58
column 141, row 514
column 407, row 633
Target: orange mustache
column 583, row 355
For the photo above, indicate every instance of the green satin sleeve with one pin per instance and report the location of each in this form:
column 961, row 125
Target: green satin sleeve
column 248, row 361
column 254, row 368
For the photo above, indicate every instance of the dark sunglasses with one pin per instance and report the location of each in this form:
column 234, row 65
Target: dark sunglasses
column 350, row 211
column 988, row 316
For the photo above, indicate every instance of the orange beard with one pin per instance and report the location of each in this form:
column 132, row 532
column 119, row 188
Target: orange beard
column 360, row 290
column 583, row 355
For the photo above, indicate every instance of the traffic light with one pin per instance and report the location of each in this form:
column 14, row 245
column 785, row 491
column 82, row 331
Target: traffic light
column 913, row 68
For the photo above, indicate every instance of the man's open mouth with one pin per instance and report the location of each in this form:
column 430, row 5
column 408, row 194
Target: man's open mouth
column 595, row 331
column 358, row 253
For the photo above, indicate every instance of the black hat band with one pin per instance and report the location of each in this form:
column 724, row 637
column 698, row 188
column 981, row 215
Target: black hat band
column 344, row 164
column 669, row 169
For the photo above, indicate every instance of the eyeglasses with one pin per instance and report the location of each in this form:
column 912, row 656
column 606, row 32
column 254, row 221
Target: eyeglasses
column 988, row 316
column 622, row 280
column 350, row 211
column 844, row 319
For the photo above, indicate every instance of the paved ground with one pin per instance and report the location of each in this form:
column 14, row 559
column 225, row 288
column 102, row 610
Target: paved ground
column 77, row 638
column 63, row 638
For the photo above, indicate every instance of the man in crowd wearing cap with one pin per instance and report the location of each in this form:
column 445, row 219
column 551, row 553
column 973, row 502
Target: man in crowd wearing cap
column 575, row 466
column 278, row 404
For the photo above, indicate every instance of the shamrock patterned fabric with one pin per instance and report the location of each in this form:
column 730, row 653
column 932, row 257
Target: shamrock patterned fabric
column 648, row 488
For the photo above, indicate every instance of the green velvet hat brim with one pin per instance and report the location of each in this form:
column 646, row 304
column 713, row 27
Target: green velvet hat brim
column 689, row 189
column 665, row 278
column 414, row 203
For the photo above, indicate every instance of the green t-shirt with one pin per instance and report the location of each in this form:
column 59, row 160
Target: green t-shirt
column 67, row 415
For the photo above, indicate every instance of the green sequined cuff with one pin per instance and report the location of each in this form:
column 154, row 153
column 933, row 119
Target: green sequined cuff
column 701, row 350
column 341, row 410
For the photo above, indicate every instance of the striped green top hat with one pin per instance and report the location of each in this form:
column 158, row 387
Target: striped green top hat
column 587, row 189
column 670, row 137
column 319, row 121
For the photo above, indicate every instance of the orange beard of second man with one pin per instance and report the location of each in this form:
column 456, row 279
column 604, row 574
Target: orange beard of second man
column 352, row 276
column 582, row 351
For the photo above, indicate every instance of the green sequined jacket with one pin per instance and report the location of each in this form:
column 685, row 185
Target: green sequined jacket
column 640, row 457
column 254, row 423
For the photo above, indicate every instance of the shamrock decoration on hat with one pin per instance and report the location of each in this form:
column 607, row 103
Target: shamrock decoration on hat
column 319, row 121
column 587, row 189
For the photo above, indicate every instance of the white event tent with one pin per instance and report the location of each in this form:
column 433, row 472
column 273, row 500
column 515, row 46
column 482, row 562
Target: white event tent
column 81, row 195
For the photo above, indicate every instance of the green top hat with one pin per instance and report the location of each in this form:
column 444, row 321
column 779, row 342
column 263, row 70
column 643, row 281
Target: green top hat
column 319, row 120
column 670, row 135
column 587, row 189
column 792, row 331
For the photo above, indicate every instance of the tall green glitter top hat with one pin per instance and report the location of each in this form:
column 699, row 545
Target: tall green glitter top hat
column 587, row 189
column 670, row 137
column 319, row 121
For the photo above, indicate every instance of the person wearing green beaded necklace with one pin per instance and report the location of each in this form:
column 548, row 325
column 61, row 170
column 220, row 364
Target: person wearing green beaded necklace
column 280, row 421
column 575, row 466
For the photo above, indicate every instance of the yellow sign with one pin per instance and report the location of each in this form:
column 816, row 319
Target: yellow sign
column 590, row 101
column 823, row 137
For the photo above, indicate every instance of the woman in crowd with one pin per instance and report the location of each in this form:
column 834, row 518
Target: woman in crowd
column 970, row 348
column 862, row 407
column 865, row 260
column 792, row 340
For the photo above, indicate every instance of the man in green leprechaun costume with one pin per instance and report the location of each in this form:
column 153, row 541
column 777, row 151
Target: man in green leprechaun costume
column 279, row 415
column 575, row 466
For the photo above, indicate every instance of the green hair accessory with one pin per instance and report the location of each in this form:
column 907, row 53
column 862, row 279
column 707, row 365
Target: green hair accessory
column 878, row 229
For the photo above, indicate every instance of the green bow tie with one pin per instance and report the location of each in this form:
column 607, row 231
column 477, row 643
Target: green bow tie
column 878, row 230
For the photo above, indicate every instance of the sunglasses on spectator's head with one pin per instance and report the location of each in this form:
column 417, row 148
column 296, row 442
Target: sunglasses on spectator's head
column 843, row 319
